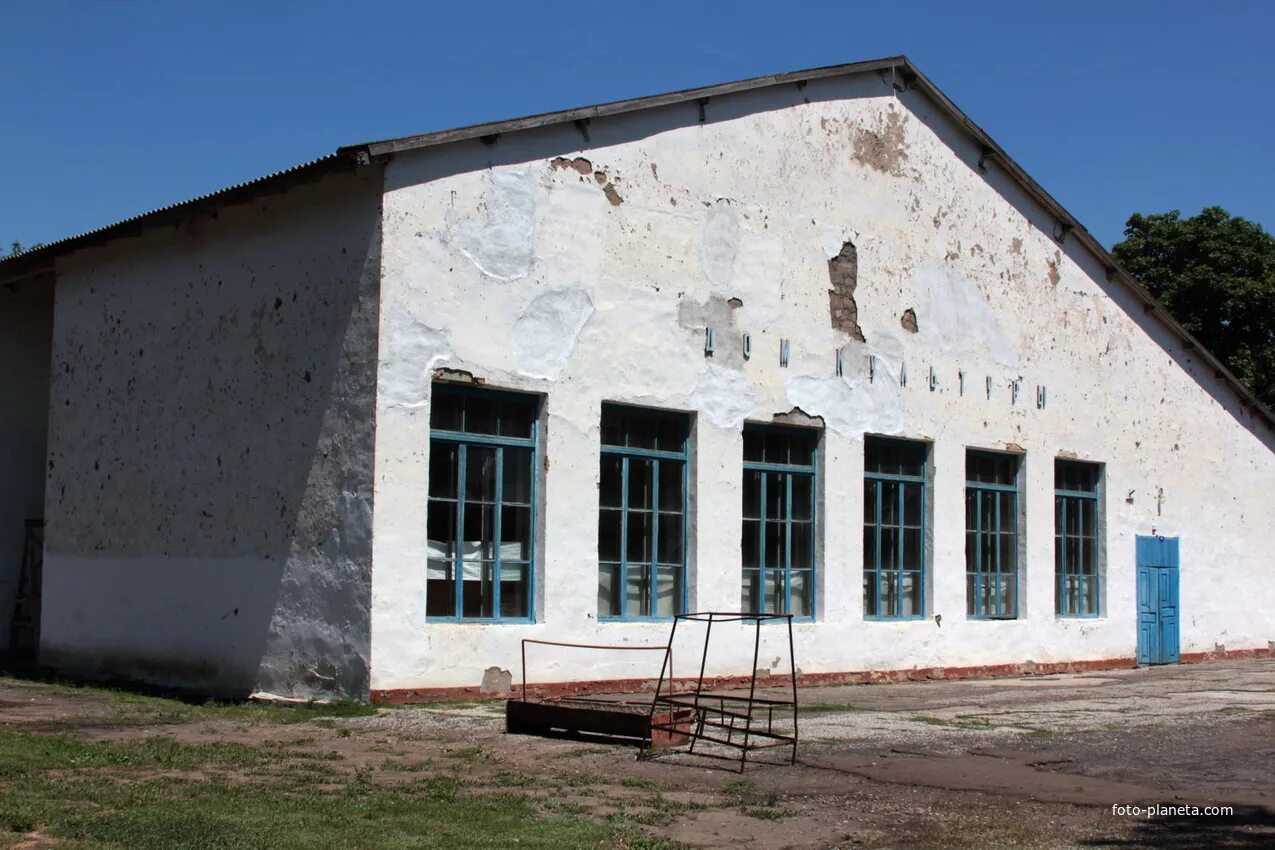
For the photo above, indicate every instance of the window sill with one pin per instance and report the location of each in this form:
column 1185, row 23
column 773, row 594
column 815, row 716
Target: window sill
column 479, row 621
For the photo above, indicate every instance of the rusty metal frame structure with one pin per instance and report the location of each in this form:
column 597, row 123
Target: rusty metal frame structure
column 720, row 718
column 592, row 715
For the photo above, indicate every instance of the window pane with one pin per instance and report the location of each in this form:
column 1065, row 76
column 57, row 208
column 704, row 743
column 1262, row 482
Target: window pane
column 870, row 546
column 774, row 542
column 911, row 594
column 776, row 494
column 1009, row 595
column 889, row 503
column 801, row 587
column 971, row 595
column 608, row 535
column 870, row 501
column 774, row 602
column 889, row 593
column 911, row 549
column 480, row 474
column 515, row 533
column 610, row 482
column 671, row 485
column 446, row 412
column 638, row 545
column 516, row 418
column 669, row 591
column 639, row 591
column 889, row 547
column 912, row 504
column 1089, row 556
column 1091, row 595
column 869, row 593
column 480, row 415
column 971, row 509
column 479, row 532
column 443, row 466
column 609, row 590
column 803, row 556
column 801, row 449
column 640, row 472
column 440, row 529
column 517, row 476
column 776, row 450
column 748, row 544
column 750, row 598
column 803, row 497
column 971, row 551
column 612, row 427
column 477, row 596
column 513, row 590
column 1008, row 553
column 752, row 493
column 670, row 434
column 671, row 539
column 640, row 431
column 440, row 589
column 754, row 444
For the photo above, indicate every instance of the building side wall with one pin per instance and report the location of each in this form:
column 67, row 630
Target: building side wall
column 210, row 457
column 588, row 271
column 26, row 323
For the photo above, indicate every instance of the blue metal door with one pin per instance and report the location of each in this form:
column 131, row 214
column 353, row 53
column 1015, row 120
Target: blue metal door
column 1157, row 567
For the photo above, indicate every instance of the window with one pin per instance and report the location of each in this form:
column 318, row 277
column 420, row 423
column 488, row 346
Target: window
column 893, row 528
column 482, row 461
column 778, row 535
column 642, row 513
column 991, row 535
column 1076, row 532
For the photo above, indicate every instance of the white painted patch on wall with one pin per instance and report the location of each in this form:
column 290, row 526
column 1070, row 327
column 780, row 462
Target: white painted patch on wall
column 725, row 397
column 545, row 335
column 956, row 318
column 720, row 246
column 850, row 407
column 500, row 246
column 408, row 355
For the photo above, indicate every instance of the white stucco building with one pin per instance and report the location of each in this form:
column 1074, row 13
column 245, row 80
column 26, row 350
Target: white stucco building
column 810, row 343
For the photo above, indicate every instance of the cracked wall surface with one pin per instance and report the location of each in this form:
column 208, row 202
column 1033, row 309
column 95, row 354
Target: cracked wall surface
column 209, row 491
column 732, row 223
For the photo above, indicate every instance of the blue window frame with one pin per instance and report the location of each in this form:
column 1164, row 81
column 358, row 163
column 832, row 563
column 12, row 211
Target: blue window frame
column 777, row 541
column 481, row 514
column 642, row 513
column 894, row 520
column 991, row 535
column 1077, row 535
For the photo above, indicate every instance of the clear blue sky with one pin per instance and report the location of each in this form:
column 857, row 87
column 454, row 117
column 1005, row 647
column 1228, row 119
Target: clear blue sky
column 114, row 108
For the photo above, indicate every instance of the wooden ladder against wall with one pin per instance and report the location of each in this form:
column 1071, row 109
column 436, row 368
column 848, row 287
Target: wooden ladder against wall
column 24, row 628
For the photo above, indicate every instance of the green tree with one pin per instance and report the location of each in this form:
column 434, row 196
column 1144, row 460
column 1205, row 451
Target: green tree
column 1216, row 274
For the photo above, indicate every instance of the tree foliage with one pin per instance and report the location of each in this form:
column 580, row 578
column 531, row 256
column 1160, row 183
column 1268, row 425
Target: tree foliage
column 1216, row 274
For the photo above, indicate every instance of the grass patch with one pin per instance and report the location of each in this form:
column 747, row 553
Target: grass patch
column 125, row 795
column 464, row 753
column 638, row 782
column 829, row 708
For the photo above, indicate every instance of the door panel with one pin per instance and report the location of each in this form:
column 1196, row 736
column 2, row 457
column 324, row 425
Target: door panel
column 1158, row 614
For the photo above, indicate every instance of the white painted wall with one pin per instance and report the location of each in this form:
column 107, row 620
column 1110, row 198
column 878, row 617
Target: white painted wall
column 527, row 274
column 209, row 499
column 26, row 323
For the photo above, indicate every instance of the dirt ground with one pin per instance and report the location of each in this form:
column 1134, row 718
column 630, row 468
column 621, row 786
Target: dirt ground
column 1028, row 762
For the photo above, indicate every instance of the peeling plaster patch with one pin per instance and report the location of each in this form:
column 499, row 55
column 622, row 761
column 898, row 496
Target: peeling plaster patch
column 501, row 246
column 719, row 314
column 719, row 245
column 1016, row 247
column 908, row 320
column 883, row 149
column 1054, row 263
column 580, row 164
column 843, row 275
column 848, row 408
column 797, row 416
column 409, row 352
column 496, row 681
column 545, row 334
column 457, row 376
column 725, row 397
column 959, row 320
column 612, row 195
